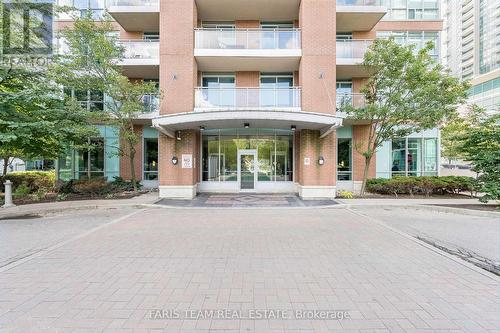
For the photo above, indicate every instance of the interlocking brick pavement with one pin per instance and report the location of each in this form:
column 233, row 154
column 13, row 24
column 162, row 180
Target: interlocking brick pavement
column 317, row 259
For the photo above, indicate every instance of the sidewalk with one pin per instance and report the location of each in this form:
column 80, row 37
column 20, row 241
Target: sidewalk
column 143, row 199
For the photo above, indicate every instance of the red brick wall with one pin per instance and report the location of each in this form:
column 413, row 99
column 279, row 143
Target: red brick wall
column 318, row 22
column 168, row 147
column 247, row 79
column 312, row 146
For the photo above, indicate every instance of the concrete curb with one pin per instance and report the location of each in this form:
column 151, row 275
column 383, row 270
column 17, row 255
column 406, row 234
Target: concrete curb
column 430, row 247
column 433, row 208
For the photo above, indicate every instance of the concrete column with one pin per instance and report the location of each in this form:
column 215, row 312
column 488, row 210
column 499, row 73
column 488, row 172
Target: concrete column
column 8, row 195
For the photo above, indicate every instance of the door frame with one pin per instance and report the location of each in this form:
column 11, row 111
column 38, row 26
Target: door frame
column 255, row 169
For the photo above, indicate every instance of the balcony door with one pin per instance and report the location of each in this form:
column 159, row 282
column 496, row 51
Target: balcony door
column 344, row 93
column 277, row 35
column 219, row 35
column 219, row 90
column 276, row 90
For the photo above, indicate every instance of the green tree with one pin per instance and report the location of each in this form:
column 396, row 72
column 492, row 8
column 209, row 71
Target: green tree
column 92, row 63
column 480, row 144
column 406, row 92
column 456, row 128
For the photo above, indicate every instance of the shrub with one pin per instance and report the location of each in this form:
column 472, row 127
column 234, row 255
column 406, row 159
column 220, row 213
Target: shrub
column 65, row 187
column 34, row 180
column 21, row 191
column 421, row 185
column 93, row 186
column 343, row 194
column 119, row 184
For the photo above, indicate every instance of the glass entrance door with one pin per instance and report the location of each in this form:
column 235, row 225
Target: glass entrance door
column 247, row 169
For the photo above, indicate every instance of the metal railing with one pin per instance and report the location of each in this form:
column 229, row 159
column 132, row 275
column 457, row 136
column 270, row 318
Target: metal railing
column 247, row 98
column 359, row 2
column 352, row 48
column 141, row 49
column 132, row 3
column 355, row 100
column 248, row 39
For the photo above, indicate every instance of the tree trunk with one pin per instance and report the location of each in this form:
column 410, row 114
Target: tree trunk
column 132, row 166
column 5, row 165
column 365, row 175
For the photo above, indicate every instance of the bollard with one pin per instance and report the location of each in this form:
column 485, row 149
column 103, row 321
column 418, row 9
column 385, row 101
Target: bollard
column 8, row 195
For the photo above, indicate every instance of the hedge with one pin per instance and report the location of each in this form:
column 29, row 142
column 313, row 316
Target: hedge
column 422, row 185
column 34, row 180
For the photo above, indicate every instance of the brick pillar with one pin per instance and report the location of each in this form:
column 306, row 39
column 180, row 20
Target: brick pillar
column 315, row 180
column 360, row 135
column 176, row 181
column 318, row 24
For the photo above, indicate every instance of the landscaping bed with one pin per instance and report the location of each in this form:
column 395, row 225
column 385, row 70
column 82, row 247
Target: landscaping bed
column 39, row 187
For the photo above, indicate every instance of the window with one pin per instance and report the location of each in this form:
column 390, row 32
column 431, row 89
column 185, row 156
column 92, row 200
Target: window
column 150, row 158
column 417, row 38
column 277, row 35
column 414, row 157
column 95, row 7
column 275, row 90
column 344, row 93
column 344, row 159
column 91, row 100
column 412, row 9
column 152, row 36
column 91, row 160
column 219, row 89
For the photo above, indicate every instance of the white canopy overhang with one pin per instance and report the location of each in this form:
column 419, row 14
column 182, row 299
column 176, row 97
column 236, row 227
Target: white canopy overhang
column 324, row 122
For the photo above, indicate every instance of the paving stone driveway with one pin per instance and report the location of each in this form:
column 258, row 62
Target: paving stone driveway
column 323, row 259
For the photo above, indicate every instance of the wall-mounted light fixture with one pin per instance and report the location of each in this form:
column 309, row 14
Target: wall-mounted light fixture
column 178, row 135
column 293, row 128
column 247, row 125
column 321, row 160
column 202, row 128
column 175, row 160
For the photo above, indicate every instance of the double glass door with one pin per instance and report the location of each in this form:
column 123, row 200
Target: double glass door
column 247, row 169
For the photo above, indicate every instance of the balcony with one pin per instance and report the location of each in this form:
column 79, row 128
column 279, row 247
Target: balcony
column 350, row 99
column 141, row 58
column 248, row 49
column 151, row 103
column 350, row 53
column 359, row 15
column 276, row 99
column 136, row 15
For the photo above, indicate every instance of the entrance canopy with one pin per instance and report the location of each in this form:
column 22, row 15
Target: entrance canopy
column 326, row 123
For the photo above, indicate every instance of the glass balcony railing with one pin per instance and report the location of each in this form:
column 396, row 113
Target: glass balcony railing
column 141, row 49
column 248, row 39
column 151, row 103
column 359, row 2
column 247, row 98
column 132, row 3
column 350, row 99
column 352, row 48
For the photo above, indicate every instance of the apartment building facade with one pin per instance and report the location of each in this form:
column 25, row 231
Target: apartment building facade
column 250, row 92
column 472, row 48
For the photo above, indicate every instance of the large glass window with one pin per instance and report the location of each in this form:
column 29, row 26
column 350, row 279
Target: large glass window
column 91, row 160
column 276, row 35
column 344, row 159
column 412, row 9
column 417, row 38
column 150, row 158
column 275, row 90
column 220, row 153
column 414, row 157
column 344, row 93
column 219, row 89
column 95, row 7
column 91, row 100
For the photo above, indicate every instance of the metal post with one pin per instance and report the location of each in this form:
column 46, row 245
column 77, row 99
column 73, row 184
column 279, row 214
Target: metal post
column 8, row 195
